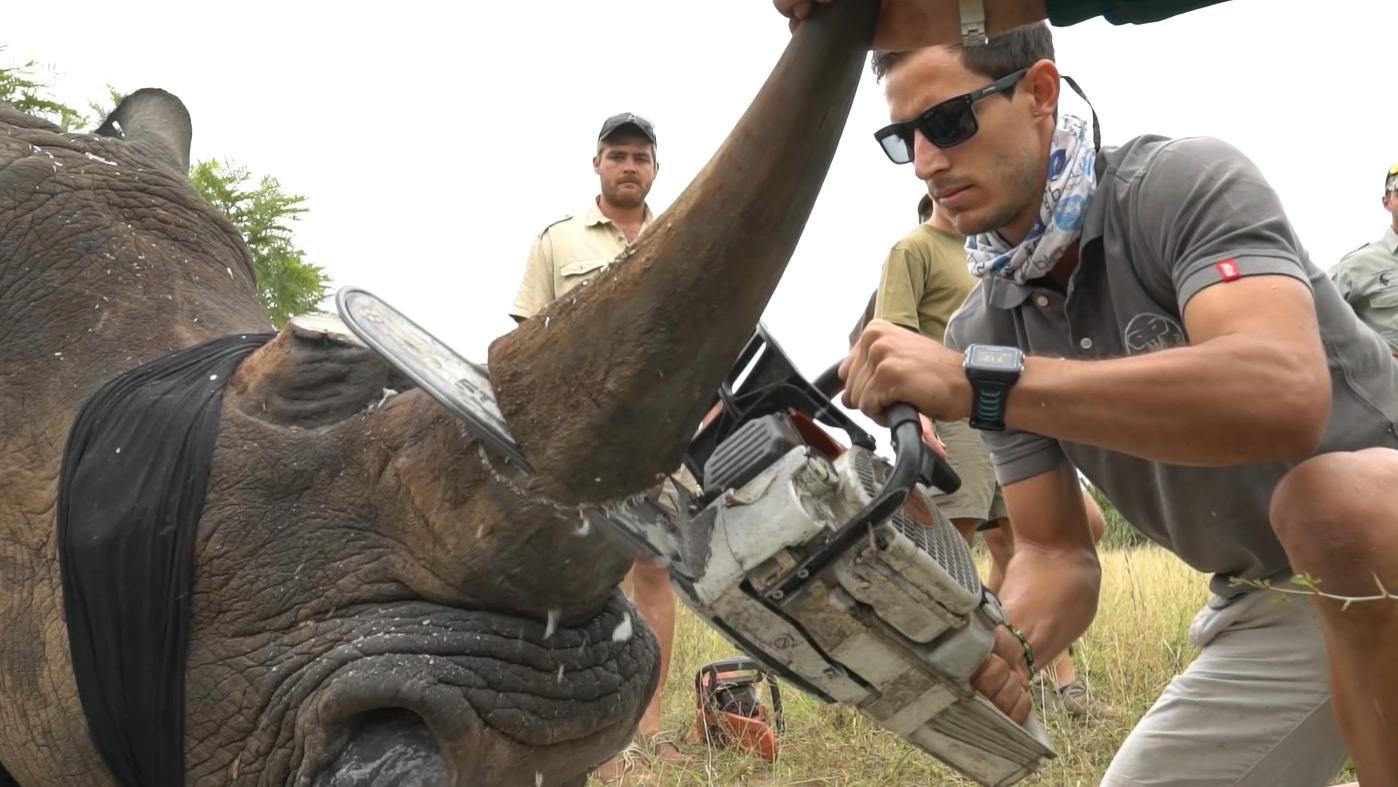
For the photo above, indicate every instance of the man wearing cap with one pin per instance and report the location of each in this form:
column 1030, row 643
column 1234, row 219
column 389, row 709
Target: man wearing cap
column 1368, row 276
column 571, row 251
column 568, row 254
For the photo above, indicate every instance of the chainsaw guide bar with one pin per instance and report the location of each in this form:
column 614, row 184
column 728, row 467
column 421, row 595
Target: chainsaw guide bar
column 459, row 385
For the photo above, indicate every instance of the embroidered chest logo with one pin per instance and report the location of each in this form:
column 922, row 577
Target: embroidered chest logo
column 1151, row 332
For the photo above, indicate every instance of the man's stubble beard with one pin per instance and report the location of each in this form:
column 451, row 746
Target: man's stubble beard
column 615, row 197
column 1024, row 191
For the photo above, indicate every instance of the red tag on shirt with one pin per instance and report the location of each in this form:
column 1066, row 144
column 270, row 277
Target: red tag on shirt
column 1228, row 270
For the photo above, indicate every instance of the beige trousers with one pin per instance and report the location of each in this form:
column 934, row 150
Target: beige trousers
column 1253, row 710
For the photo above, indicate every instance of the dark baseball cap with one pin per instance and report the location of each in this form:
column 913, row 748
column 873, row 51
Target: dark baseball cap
column 617, row 122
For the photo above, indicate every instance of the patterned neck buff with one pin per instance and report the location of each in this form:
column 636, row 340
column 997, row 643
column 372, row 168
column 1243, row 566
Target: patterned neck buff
column 1072, row 179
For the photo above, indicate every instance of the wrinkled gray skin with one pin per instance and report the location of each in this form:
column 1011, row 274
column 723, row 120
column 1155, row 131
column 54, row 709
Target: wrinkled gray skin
column 370, row 600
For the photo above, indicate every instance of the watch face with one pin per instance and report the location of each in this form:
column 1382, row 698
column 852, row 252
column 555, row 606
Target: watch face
column 995, row 358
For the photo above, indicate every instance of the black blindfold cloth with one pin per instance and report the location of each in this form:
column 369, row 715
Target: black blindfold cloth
column 129, row 497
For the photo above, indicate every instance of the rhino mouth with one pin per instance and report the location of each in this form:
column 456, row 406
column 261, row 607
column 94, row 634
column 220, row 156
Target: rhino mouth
column 423, row 695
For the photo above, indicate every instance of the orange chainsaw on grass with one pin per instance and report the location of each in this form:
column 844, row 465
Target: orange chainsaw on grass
column 729, row 712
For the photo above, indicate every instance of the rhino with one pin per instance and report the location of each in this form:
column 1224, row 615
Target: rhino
column 375, row 598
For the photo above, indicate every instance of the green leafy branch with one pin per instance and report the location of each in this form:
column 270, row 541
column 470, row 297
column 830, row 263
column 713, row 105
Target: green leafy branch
column 21, row 88
column 287, row 284
column 1308, row 585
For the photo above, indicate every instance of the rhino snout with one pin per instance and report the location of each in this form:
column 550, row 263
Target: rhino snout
column 446, row 697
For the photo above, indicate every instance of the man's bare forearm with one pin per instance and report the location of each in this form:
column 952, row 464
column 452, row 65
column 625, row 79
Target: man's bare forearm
column 1051, row 595
column 1227, row 401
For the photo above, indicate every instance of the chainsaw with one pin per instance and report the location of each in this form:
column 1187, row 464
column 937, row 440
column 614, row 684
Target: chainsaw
column 729, row 711
column 827, row 565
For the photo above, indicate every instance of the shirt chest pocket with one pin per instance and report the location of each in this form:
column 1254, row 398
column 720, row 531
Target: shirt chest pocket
column 1386, row 298
column 578, row 273
column 580, row 269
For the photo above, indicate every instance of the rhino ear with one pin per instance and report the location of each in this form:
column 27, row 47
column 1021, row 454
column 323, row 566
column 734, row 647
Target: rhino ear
column 157, row 119
column 314, row 373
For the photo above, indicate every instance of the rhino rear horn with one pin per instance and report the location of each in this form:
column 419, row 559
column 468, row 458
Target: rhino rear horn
column 314, row 373
column 158, row 119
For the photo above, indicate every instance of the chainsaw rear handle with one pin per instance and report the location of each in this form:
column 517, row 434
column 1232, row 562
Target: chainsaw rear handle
column 908, row 448
column 931, row 468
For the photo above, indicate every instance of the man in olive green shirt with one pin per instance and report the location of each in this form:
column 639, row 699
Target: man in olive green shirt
column 1368, row 276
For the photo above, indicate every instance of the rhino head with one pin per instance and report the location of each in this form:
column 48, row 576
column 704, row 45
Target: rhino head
column 377, row 600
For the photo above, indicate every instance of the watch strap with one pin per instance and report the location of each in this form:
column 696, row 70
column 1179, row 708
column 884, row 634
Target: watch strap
column 973, row 28
column 988, row 401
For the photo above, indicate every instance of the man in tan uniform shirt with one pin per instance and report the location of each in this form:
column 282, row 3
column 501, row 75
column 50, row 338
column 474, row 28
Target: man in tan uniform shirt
column 924, row 281
column 568, row 254
column 571, row 251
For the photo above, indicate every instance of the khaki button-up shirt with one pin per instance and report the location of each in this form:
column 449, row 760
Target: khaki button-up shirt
column 568, row 254
column 1368, row 280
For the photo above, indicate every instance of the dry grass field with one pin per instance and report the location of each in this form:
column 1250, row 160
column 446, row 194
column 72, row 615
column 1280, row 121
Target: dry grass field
column 1136, row 645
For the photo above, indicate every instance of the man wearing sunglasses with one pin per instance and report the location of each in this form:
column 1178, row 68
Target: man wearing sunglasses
column 1147, row 317
column 1368, row 276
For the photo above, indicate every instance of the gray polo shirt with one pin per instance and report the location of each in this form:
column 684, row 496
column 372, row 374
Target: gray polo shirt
column 1368, row 279
column 1170, row 218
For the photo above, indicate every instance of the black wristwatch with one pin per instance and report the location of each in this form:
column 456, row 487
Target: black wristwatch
column 993, row 371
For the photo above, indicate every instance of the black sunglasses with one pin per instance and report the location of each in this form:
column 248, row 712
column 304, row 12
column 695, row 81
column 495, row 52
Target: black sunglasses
column 945, row 125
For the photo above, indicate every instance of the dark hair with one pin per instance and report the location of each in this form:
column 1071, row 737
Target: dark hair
column 999, row 57
column 924, row 208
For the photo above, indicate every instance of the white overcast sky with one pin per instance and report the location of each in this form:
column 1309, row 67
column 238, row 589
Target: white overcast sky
column 433, row 142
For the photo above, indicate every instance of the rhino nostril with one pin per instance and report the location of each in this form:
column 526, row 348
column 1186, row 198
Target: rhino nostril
column 391, row 747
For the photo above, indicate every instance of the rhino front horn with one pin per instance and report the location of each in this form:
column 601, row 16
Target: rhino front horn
column 605, row 387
